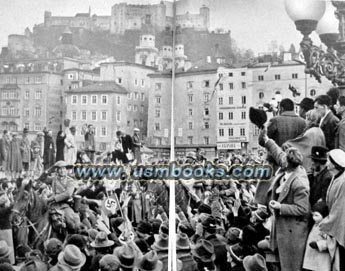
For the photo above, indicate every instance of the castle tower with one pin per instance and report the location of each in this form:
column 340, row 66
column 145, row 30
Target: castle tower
column 180, row 57
column 146, row 53
column 67, row 37
column 166, row 54
column 205, row 13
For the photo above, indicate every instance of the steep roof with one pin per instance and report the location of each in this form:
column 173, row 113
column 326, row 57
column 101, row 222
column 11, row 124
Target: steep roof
column 102, row 86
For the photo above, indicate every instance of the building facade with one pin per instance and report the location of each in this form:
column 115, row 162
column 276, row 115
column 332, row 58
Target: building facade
column 102, row 104
column 194, row 112
column 32, row 94
column 134, row 78
column 234, row 98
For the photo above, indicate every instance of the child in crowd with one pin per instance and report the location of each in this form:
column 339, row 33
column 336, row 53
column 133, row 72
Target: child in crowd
column 317, row 257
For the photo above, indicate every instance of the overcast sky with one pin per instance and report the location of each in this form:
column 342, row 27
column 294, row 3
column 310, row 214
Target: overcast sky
column 253, row 23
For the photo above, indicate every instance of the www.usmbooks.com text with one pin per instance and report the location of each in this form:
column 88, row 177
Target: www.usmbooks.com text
column 174, row 171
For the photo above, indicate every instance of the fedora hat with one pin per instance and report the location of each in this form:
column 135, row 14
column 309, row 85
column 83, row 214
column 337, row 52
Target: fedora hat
column 4, row 249
column 101, row 241
column 337, row 157
column 109, row 262
column 125, row 256
column 40, row 134
column 307, row 104
column 72, row 257
column 254, row 263
column 92, row 233
column 144, row 227
column 150, row 262
column 257, row 117
column 204, row 251
column 233, row 235
column 182, row 242
column 261, row 214
column 319, row 153
column 161, row 242
column 136, row 130
column 236, row 252
column 62, row 163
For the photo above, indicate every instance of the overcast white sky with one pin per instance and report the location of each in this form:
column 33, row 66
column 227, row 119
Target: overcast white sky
column 253, row 23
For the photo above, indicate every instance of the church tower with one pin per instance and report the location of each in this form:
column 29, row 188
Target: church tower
column 146, row 53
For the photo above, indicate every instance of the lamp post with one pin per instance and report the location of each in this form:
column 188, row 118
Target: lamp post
column 328, row 19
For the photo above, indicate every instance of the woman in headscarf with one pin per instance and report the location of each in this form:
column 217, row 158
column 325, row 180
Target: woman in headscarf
column 289, row 203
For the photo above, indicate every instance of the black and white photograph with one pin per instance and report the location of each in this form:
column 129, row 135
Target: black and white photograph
column 176, row 135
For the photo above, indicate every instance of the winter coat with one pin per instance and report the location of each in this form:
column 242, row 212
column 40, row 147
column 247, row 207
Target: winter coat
column 25, row 150
column 70, row 151
column 317, row 259
column 311, row 137
column 289, row 231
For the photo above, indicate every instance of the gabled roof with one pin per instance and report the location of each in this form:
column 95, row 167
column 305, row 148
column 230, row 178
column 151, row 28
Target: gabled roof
column 102, row 87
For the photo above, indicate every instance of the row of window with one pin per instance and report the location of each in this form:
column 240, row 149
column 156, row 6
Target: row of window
column 26, row 80
column 231, row 115
column 37, row 112
column 93, row 115
column 93, row 100
column 38, row 95
column 231, row 100
column 221, row 132
column 135, row 108
column 9, row 111
column 277, row 77
column 159, row 140
column 135, row 96
column 137, row 82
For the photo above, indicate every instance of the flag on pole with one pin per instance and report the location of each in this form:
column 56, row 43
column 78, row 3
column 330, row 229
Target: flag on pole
column 215, row 85
column 268, row 66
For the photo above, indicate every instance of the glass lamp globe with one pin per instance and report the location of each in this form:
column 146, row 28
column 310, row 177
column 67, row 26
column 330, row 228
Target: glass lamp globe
column 299, row 10
column 328, row 23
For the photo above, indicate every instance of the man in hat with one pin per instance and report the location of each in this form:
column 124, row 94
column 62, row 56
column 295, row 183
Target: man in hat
column 109, row 263
column 5, row 151
column 6, row 234
column 254, row 263
column 340, row 136
column 207, row 230
column 320, row 178
column 150, row 262
column 70, row 150
column 49, row 150
column 329, row 122
column 183, row 248
column 126, row 257
column 304, row 106
column 102, row 246
column 137, row 144
column 203, row 255
column 286, row 126
column 72, row 257
column 16, row 163
column 25, row 150
column 90, row 144
column 63, row 189
column 37, row 154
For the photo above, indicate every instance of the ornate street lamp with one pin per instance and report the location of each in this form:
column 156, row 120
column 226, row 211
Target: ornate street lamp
column 329, row 22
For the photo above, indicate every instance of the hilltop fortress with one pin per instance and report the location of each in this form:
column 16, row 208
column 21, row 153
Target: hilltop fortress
column 132, row 17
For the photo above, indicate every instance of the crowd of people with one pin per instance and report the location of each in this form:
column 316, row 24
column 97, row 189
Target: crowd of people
column 53, row 221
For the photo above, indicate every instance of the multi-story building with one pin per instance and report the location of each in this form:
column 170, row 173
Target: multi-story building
column 194, row 111
column 102, row 104
column 134, row 78
column 32, row 93
column 253, row 86
column 234, row 97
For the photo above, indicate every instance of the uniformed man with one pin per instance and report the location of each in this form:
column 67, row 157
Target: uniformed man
column 63, row 189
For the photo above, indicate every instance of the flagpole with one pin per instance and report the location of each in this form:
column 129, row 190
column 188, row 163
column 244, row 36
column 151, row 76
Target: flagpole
column 172, row 243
